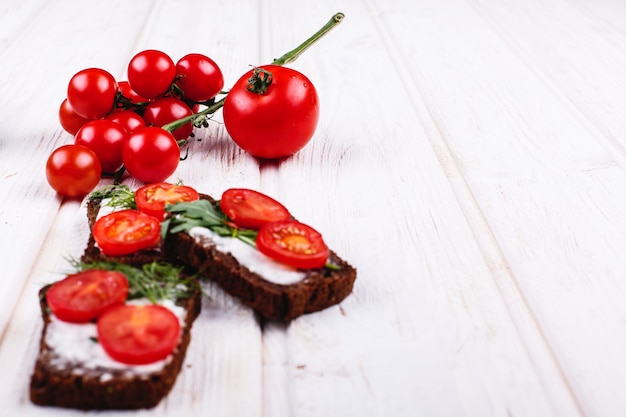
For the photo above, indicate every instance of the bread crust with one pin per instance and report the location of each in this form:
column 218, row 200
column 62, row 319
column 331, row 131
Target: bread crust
column 102, row 388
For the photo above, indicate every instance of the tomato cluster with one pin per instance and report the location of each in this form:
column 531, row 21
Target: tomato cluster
column 118, row 125
column 271, row 112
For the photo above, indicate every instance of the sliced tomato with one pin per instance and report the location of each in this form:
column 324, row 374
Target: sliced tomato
column 152, row 198
column 126, row 231
column 251, row 209
column 293, row 243
column 138, row 334
column 84, row 296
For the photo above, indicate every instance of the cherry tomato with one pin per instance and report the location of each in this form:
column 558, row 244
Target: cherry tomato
column 151, row 154
column 84, row 296
column 276, row 123
column 91, row 93
column 168, row 109
column 293, row 243
column 251, row 209
column 126, row 231
column 73, row 170
column 200, row 79
column 129, row 120
column 70, row 121
column 152, row 198
column 151, row 73
column 138, row 334
column 129, row 93
column 106, row 138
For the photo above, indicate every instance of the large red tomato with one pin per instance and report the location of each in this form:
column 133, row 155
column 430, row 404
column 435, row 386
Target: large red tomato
column 276, row 122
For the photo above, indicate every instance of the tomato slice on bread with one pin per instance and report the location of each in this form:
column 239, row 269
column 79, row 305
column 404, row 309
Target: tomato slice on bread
column 250, row 209
column 152, row 198
column 84, row 296
column 138, row 334
column 125, row 232
column 293, row 243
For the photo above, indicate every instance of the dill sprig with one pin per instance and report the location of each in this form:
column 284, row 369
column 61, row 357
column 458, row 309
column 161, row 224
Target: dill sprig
column 155, row 281
column 118, row 196
column 201, row 213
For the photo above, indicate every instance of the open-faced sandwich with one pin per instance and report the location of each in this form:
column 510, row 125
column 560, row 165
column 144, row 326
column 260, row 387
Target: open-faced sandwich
column 114, row 335
column 253, row 248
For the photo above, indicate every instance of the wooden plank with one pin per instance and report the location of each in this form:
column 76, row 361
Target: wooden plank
column 550, row 188
column 426, row 331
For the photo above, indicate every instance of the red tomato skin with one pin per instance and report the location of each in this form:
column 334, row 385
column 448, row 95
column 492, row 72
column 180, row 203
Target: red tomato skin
column 129, row 120
column 106, row 138
column 151, row 73
column 200, row 77
column 151, row 199
column 91, row 93
column 277, row 123
column 168, row 109
column 70, row 121
column 293, row 243
column 138, row 335
column 250, row 209
column 125, row 232
column 84, row 296
column 73, row 170
column 151, row 154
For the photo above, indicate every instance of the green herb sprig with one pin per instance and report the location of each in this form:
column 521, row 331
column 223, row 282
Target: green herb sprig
column 118, row 195
column 155, row 281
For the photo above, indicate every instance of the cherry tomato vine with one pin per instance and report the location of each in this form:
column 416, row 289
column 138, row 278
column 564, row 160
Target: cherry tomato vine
column 139, row 126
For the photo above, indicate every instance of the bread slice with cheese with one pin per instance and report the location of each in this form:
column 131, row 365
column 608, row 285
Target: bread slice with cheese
column 73, row 371
column 275, row 291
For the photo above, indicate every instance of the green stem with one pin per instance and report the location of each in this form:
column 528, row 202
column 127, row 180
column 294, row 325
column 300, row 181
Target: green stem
column 170, row 127
column 294, row 54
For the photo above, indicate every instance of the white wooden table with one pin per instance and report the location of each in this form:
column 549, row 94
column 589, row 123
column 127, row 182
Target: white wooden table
column 470, row 161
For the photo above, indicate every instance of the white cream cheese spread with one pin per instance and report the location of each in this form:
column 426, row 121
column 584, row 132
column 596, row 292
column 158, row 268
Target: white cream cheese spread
column 249, row 257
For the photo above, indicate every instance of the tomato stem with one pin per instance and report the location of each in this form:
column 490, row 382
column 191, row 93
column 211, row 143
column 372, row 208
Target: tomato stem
column 294, row 54
column 195, row 118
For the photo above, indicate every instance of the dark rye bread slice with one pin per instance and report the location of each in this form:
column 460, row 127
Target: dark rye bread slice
column 320, row 288
column 75, row 386
column 93, row 253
